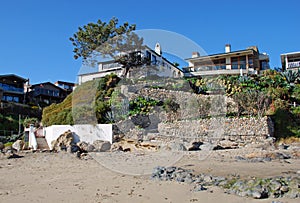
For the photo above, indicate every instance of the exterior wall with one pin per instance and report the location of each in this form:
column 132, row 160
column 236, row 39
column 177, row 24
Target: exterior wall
column 86, row 133
column 88, row 77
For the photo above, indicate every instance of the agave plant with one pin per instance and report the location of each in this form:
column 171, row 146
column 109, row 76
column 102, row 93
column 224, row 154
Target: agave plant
column 291, row 76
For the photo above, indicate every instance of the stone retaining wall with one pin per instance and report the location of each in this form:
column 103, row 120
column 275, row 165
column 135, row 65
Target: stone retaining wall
column 240, row 130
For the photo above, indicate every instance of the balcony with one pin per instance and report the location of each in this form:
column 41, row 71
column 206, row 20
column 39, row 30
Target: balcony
column 219, row 69
column 41, row 91
column 295, row 64
column 11, row 88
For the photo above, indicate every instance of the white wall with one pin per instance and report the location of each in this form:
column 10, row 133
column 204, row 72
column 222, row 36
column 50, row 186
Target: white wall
column 87, row 133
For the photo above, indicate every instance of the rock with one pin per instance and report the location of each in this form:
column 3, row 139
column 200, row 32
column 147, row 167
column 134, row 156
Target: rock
column 199, row 188
column 101, row 146
column 18, row 145
column 14, row 156
column 73, row 149
column 278, row 155
column 176, row 146
column 227, row 144
column 1, row 146
column 118, row 135
column 140, row 120
column 85, row 147
column 63, row 142
column 240, row 158
column 293, row 194
column 207, row 179
column 284, row 188
column 256, row 195
column 9, row 150
column 194, row 146
column 207, row 146
column 275, row 185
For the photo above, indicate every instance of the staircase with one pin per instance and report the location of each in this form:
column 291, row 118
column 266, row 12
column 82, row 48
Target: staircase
column 42, row 143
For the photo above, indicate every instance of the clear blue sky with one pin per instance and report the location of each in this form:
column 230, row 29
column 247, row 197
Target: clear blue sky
column 34, row 34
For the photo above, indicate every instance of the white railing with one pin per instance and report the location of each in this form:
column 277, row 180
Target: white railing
column 295, row 64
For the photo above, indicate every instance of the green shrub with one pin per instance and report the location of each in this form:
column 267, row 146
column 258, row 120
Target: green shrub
column 141, row 105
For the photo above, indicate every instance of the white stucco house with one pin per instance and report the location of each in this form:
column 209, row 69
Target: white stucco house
column 158, row 65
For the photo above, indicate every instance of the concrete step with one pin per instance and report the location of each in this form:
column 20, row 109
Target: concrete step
column 42, row 143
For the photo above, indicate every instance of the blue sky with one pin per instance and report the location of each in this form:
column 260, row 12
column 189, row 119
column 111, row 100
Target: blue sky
column 34, row 34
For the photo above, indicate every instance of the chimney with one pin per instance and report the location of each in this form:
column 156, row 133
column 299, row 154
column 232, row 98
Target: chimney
column 227, row 48
column 158, row 49
column 195, row 54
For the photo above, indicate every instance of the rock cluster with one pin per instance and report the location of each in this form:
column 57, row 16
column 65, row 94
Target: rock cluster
column 66, row 142
column 256, row 188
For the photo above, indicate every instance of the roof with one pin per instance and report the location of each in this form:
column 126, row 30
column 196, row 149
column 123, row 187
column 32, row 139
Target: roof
column 291, row 53
column 63, row 82
column 16, row 77
column 47, row 83
column 222, row 54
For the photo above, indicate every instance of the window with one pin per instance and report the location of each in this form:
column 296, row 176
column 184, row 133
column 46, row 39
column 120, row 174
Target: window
column 154, row 60
column 238, row 62
column 234, row 62
column 250, row 61
column 148, row 57
column 242, row 62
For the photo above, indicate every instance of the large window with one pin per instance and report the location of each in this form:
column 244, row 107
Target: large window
column 238, row 62
column 234, row 62
column 219, row 64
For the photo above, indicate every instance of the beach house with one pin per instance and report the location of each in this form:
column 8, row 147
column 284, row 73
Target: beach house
column 157, row 65
column 246, row 61
column 290, row 61
column 12, row 88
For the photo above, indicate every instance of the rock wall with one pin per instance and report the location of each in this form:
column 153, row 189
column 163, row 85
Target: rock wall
column 193, row 105
column 240, row 130
column 186, row 124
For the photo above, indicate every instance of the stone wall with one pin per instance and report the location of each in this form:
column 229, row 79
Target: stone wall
column 240, row 130
column 193, row 105
column 191, row 121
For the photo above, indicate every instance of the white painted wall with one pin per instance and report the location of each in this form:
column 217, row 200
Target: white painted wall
column 87, row 133
column 89, row 77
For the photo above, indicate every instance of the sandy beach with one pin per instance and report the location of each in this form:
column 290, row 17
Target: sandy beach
column 62, row 177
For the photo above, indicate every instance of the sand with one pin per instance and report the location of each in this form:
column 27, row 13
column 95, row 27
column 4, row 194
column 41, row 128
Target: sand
column 62, row 177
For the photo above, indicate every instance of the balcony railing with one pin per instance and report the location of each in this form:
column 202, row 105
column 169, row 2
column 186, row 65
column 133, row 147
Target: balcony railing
column 295, row 64
column 52, row 93
column 217, row 67
column 11, row 88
